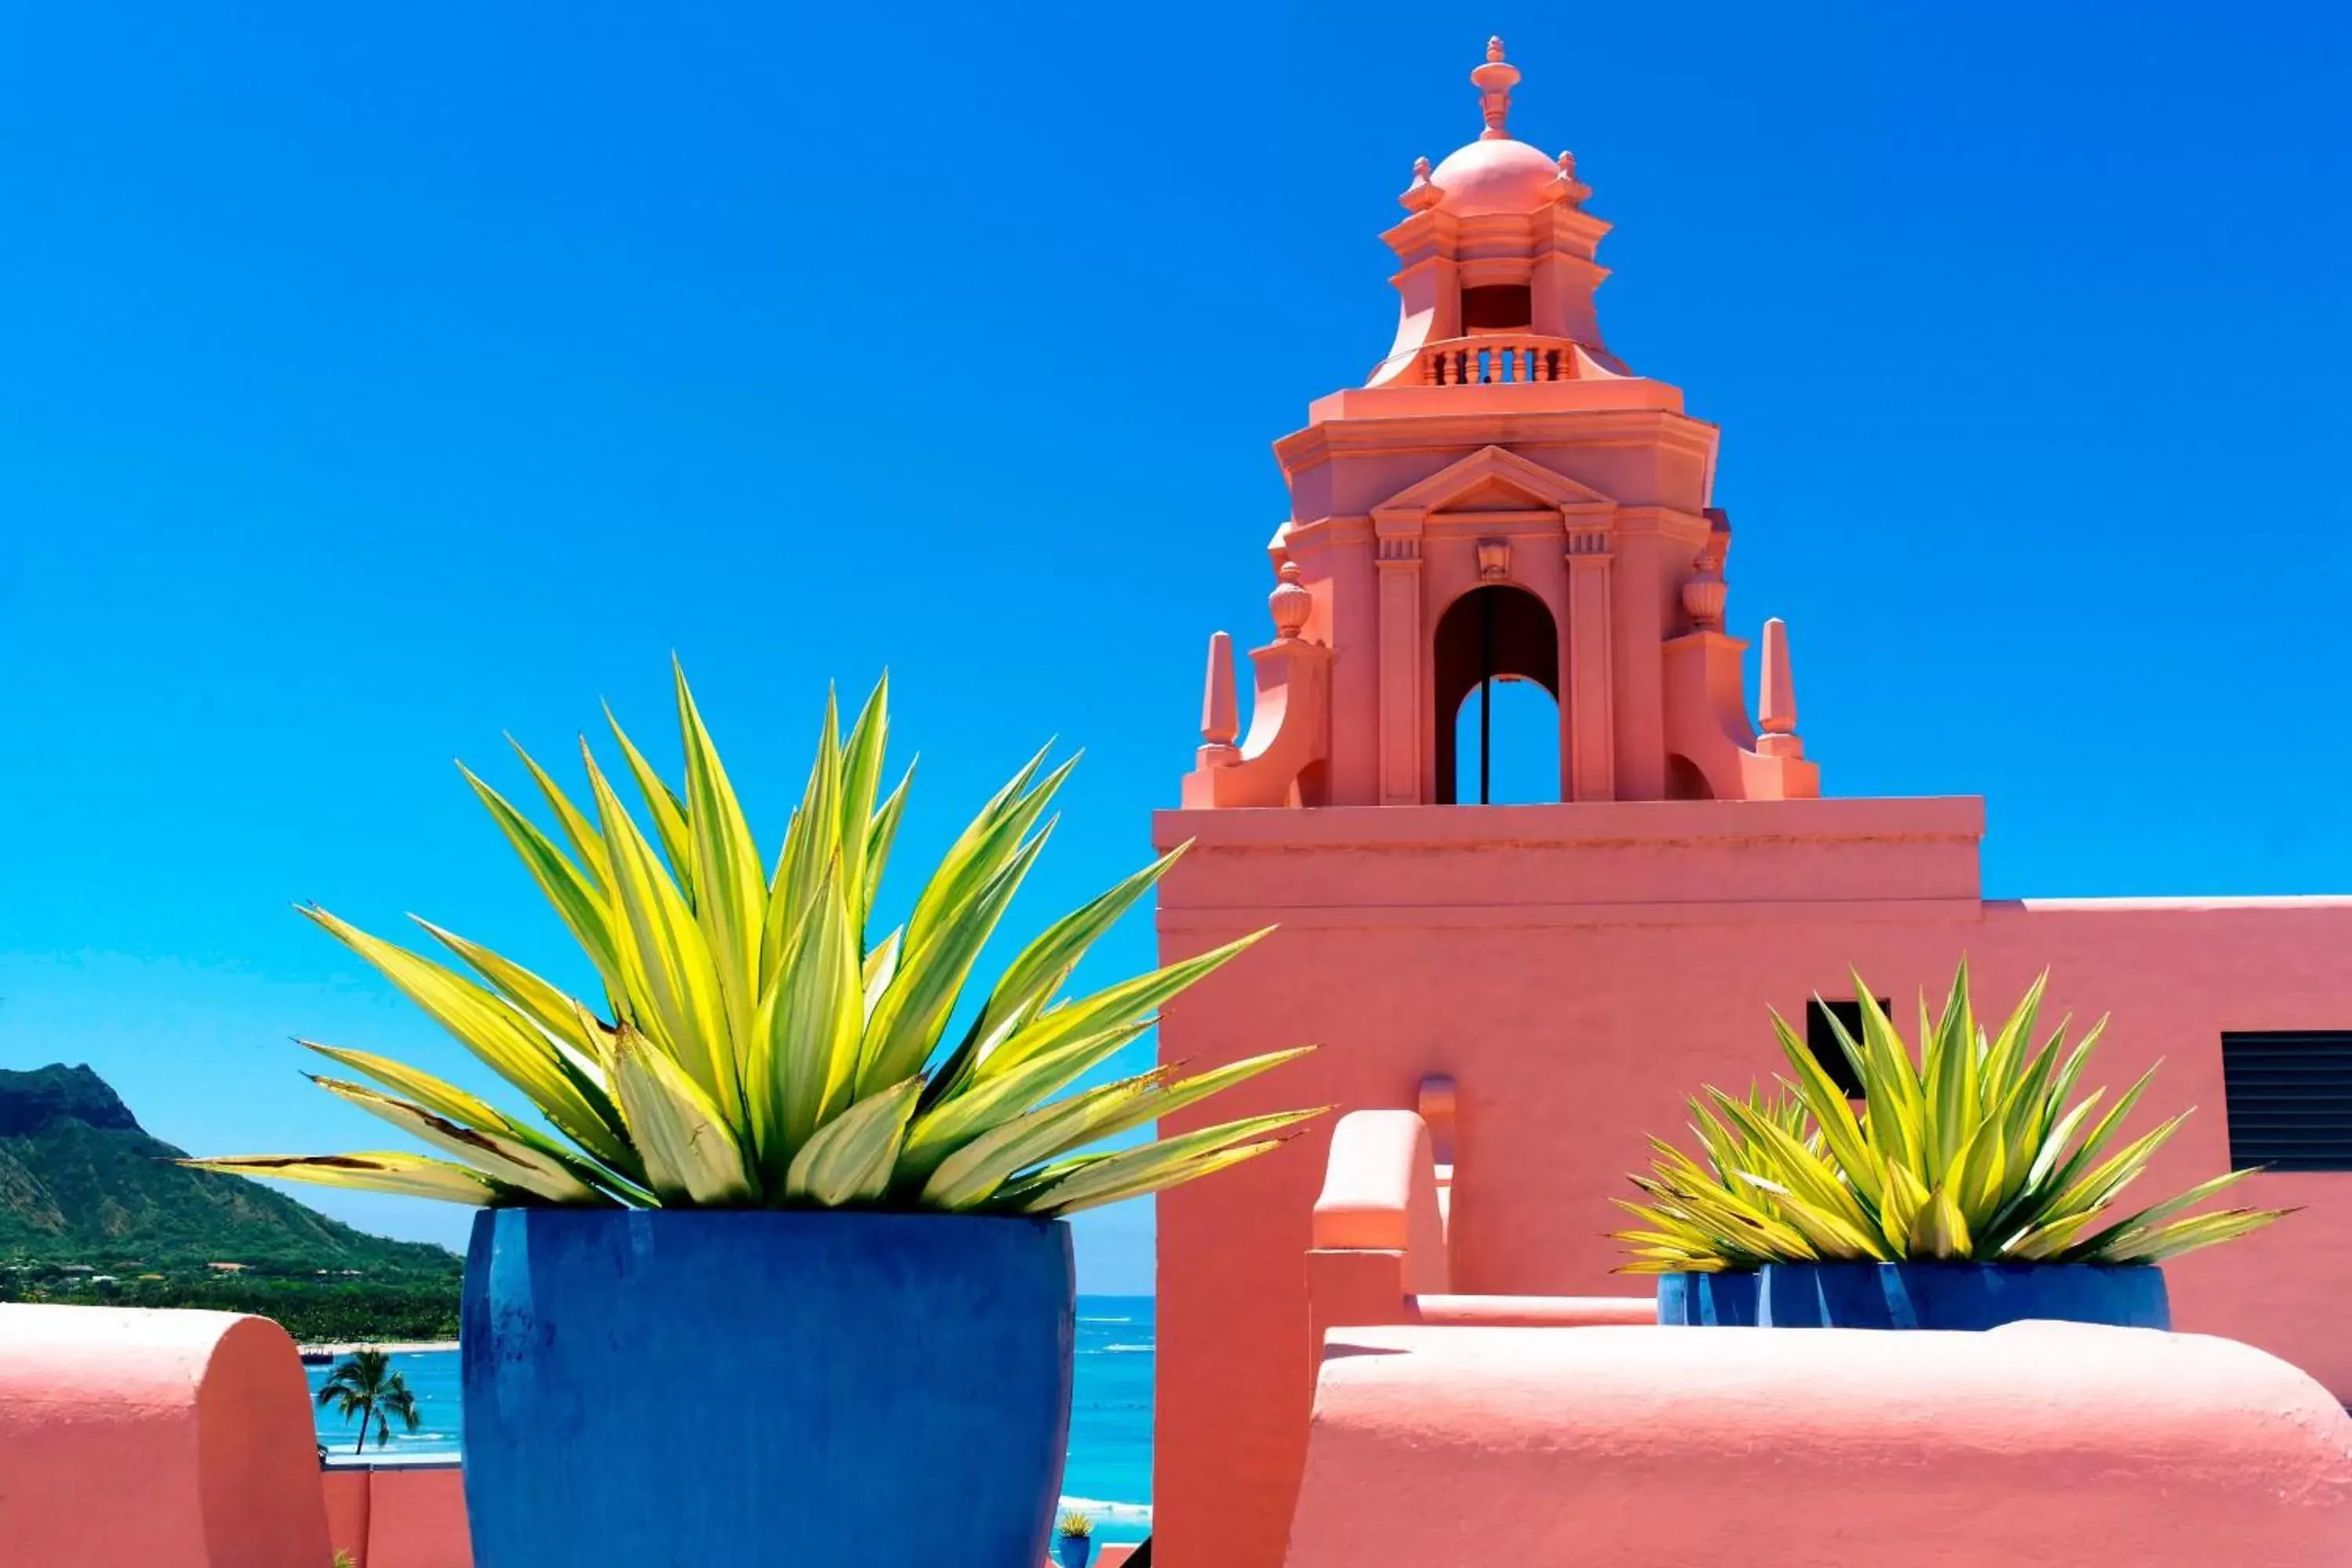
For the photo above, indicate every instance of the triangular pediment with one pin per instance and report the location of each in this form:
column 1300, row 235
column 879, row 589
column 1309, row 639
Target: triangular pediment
column 1495, row 493
column 1492, row 480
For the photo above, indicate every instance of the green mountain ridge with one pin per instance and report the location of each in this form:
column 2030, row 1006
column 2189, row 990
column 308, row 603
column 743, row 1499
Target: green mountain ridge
column 81, row 1182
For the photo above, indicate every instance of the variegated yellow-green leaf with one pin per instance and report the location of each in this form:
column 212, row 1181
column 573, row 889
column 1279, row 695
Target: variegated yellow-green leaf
column 669, row 812
column 1112, row 1004
column 852, row 1157
column 578, row 896
column 806, row 1032
column 958, row 1117
column 447, row 1099
column 1156, row 1178
column 730, row 889
column 496, row 1154
column 691, row 1153
column 981, row 1168
column 500, row 1034
column 1149, row 1167
column 383, row 1170
column 546, row 1005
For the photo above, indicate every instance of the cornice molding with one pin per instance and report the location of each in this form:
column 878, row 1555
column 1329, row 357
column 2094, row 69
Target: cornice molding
column 1441, row 433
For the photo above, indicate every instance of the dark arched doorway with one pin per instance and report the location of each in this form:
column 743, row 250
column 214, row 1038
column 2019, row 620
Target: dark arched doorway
column 1492, row 635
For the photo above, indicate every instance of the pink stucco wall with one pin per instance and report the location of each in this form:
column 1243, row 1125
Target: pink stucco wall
column 149, row 1439
column 400, row 1515
column 348, row 1499
column 413, row 1516
column 1578, row 969
column 416, row 1519
column 2059, row 1445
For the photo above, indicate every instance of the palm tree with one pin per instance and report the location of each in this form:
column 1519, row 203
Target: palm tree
column 364, row 1383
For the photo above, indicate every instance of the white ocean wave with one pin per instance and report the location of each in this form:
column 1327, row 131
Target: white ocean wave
column 1105, row 1320
column 1123, row 1350
column 1136, row 1512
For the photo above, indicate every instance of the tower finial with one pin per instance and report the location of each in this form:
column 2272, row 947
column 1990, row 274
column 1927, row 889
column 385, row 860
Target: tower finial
column 1421, row 195
column 1494, row 81
column 1220, row 714
column 1776, row 706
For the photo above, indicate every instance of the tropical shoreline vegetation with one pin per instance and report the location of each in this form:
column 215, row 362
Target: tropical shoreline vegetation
column 364, row 1384
column 422, row 1305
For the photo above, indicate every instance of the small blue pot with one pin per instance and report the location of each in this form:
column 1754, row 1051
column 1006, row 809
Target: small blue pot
column 762, row 1389
column 1072, row 1551
column 1959, row 1295
column 1721, row 1300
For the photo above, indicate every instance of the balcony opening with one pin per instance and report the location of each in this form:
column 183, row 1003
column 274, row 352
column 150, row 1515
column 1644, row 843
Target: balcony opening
column 1497, row 308
column 2290, row 1099
column 1497, row 690
column 1822, row 1039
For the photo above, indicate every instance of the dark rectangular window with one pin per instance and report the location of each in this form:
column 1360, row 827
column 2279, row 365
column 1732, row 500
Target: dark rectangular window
column 1497, row 307
column 2290, row 1093
column 1823, row 1042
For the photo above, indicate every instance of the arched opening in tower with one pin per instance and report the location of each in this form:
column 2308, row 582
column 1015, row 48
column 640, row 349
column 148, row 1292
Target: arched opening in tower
column 1496, row 671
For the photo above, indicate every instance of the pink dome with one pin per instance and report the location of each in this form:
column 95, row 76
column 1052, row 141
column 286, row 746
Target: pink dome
column 1498, row 176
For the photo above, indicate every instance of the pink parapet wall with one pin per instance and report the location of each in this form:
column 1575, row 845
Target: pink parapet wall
column 155, row 1440
column 2059, row 1445
column 1575, row 971
column 400, row 1515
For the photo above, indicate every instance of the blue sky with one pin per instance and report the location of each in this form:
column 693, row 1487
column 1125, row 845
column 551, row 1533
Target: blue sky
column 373, row 385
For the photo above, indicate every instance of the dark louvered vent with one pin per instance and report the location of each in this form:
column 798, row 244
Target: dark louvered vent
column 2290, row 1099
column 1823, row 1041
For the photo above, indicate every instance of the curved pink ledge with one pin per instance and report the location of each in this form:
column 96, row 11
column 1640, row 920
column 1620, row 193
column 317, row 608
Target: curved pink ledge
column 2060, row 1445
column 153, row 1439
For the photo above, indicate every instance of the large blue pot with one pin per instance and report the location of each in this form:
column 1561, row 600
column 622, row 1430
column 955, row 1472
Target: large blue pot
column 760, row 1389
column 1959, row 1295
column 1072, row 1551
column 1719, row 1300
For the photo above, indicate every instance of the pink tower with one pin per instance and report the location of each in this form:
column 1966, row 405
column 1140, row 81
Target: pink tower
column 1505, row 499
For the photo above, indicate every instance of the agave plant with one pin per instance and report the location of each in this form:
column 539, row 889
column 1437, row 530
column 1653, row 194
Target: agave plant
column 1074, row 1524
column 1706, row 1213
column 755, row 1049
column 1974, row 1151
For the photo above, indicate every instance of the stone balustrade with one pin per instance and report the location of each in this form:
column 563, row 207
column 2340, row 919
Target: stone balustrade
column 1489, row 358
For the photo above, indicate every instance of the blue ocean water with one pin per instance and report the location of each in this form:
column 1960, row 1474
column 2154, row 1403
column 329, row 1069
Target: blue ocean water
column 1109, row 1476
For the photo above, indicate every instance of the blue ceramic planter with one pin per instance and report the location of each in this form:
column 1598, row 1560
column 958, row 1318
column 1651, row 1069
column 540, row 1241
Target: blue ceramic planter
column 1072, row 1551
column 1959, row 1295
column 760, row 1389
column 1723, row 1301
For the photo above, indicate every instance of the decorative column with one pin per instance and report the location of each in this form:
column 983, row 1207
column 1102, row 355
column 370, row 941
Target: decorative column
column 1776, row 703
column 1591, row 685
column 1221, row 722
column 1397, row 538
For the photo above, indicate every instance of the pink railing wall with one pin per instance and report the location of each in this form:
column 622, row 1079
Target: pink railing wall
column 153, row 1439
